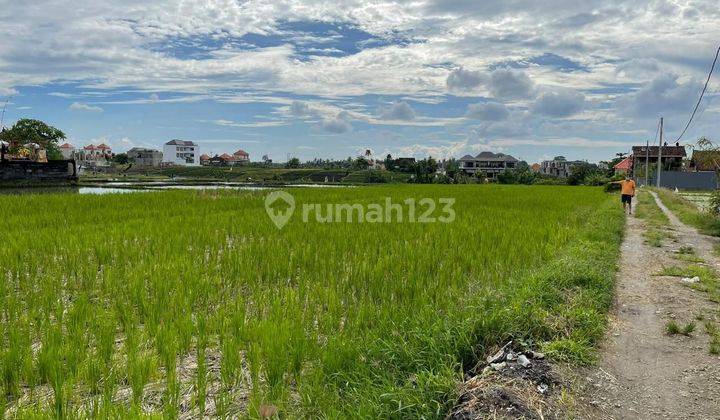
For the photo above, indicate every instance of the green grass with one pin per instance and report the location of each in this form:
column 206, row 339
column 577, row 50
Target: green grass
column 689, row 213
column 709, row 279
column 712, row 330
column 672, row 328
column 159, row 303
column 655, row 220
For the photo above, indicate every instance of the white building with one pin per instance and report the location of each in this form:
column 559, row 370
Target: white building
column 181, row 152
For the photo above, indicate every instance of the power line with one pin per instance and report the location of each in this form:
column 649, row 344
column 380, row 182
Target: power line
column 701, row 95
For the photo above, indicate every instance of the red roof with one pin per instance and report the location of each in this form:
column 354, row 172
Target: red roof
column 204, row 157
column 67, row 146
column 89, row 147
column 624, row 164
column 241, row 152
column 103, row 146
column 225, row 156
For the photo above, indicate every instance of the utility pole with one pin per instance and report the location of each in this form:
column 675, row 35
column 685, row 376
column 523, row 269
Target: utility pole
column 647, row 161
column 659, row 168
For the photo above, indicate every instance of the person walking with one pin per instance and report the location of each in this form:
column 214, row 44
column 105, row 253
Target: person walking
column 627, row 192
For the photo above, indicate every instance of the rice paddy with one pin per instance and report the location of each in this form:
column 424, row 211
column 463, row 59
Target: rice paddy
column 183, row 303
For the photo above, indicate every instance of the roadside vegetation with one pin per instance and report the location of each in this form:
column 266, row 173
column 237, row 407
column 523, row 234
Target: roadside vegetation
column 709, row 279
column 188, row 302
column 656, row 222
column 709, row 282
column 707, row 222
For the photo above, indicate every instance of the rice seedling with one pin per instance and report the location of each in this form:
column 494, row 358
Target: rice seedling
column 161, row 303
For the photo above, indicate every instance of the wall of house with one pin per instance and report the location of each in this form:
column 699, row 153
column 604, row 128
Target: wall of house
column 170, row 155
column 683, row 180
column 38, row 171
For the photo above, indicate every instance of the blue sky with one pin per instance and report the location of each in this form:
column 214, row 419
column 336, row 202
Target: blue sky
column 324, row 79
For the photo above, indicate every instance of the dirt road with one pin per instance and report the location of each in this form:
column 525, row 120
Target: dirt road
column 643, row 372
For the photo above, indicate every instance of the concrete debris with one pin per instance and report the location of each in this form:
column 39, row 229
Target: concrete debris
column 498, row 366
column 695, row 279
column 499, row 356
column 523, row 361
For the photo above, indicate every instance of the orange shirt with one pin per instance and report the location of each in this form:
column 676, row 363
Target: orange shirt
column 628, row 187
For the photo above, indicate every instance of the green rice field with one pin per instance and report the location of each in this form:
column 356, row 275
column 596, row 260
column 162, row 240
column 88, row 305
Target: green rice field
column 175, row 304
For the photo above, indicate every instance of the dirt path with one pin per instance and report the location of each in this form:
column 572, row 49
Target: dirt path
column 643, row 372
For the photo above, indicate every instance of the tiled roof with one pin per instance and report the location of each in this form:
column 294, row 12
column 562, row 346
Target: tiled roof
column 67, row 146
column 491, row 157
column 667, row 151
column 89, row 147
column 624, row 164
column 241, row 152
column 103, row 146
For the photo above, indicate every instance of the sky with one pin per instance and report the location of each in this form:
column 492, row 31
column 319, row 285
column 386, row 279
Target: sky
column 328, row 79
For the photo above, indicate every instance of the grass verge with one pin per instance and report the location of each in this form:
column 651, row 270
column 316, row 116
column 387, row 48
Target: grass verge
column 655, row 220
column 689, row 213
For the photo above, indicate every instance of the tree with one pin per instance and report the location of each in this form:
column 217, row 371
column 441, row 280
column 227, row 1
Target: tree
column 293, row 163
column 27, row 130
column 424, row 170
column 389, row 162
column 452, row 168
column 579, row 172
column 121, row 159
column 709, row 156
column 360, row 164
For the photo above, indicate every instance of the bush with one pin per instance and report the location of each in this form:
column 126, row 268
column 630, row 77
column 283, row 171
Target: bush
column 596, row 179
column 610, row 187
column 714, row 204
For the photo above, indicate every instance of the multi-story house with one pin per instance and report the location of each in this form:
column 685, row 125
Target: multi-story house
column 241, row 156
column 181, row 152
column 67, row 150
column 558, row 167
column 141, row 156
column 487, row 164
column 92, row 156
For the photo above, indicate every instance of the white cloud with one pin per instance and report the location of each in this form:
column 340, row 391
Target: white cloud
column 398, row 111
column 255, row 124
column 640, row 58
column 563, row 103
column 338, row 124
column 489, row 111
column 446, row 151
column 665, row 93
column 463, row 80
column 506, row 84
column 79, row 106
